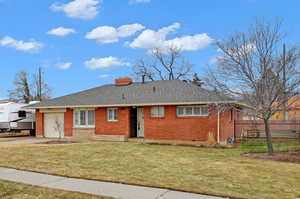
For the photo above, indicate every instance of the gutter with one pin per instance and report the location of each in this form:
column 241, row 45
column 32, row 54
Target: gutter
column 142, row 104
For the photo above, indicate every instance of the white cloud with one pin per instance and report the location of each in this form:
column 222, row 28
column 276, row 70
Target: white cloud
column 64, row 66
column 30, row 46
column 109, row 34
column 150, row 39
column 105, row 76
column 106, row 62
column 61, row 31
column 139, row 1
column 81, row 9
column 190, row 43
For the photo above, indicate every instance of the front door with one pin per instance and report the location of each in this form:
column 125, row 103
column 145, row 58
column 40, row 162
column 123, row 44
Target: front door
column 140, row 122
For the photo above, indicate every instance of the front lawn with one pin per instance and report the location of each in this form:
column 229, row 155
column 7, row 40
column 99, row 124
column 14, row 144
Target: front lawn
column 10, row 190
column 221, row 172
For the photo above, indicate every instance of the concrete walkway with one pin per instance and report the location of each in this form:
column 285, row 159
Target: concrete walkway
column 115, row 190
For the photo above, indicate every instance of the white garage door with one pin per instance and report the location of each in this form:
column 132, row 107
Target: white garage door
column 54, row 125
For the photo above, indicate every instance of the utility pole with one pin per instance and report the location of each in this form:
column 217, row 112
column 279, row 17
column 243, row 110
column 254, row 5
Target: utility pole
column 40, row 84
column 284, row 82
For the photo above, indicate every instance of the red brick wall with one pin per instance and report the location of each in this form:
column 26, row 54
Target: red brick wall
column 227, row 124
column 68, row 120
column 120, row 127
column 39, row 119
column 172, row 127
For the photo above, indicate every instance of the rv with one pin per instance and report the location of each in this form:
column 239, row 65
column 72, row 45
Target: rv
column 14, row 117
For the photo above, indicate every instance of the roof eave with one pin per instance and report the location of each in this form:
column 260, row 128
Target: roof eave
column 143, row 104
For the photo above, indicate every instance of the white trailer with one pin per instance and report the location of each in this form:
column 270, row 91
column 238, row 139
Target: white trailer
column 14, row 117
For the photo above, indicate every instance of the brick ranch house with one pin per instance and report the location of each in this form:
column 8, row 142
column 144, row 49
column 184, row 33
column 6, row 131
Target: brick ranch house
column 167, row 110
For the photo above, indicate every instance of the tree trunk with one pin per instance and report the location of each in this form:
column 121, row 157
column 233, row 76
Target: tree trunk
column 269, row 136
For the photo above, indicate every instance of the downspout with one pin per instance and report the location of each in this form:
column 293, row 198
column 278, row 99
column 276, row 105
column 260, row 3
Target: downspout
column 218, row 127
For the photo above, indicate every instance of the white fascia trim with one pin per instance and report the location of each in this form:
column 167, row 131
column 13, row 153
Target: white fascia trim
column 145, row 104
column 53, row 110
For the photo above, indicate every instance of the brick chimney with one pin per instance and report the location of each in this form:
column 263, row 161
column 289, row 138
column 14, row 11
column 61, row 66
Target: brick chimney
column 123, row 81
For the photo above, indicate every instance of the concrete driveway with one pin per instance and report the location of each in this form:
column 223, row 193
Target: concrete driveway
column 21, row 140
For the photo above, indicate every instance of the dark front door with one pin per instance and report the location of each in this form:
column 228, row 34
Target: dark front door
column 140, row 122
column 133, row 119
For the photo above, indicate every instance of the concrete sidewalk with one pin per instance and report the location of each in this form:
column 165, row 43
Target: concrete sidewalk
column 114, row 190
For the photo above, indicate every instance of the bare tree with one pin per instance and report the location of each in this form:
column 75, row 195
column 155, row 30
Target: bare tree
column 161, row 64
column 58, row 127
column 41, row 88
column 254, row 68
column 21, row 92
column 28, row 89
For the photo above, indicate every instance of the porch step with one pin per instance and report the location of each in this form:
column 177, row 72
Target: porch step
column 113, row 138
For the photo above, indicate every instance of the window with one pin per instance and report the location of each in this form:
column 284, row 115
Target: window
column 76, row 118
column 189, row 111
column 204, row 110
column 112, row 114
column 197, row 111
column 22, row 114
column 84, row 118
column 157, row 111
column 180, row 111
column 192, row 111
column 91, row 117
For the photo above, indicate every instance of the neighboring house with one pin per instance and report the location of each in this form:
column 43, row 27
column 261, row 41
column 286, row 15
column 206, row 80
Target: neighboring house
column 292, row 112
column 169, row 109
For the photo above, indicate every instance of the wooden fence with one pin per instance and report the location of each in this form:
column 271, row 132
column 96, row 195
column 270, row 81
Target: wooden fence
column 282, row 130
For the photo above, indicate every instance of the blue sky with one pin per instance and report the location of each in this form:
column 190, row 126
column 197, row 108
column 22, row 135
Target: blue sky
column 87, row 43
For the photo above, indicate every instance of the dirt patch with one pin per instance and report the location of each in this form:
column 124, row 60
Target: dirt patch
column 277, row 156
column 59, row 142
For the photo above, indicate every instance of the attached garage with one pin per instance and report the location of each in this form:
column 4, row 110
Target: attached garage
column 54, row 125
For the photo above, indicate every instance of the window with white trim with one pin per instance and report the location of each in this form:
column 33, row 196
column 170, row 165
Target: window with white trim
column 84, row 118
column 91, row 117
column 112, row 114
column 157, row 111
column 192, row 111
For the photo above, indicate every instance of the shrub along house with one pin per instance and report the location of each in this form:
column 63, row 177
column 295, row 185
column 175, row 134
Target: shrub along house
column 168, row 109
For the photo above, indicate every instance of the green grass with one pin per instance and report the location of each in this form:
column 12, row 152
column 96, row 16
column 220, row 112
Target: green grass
column 10, row 190
column 221, row 172
column 260, row 147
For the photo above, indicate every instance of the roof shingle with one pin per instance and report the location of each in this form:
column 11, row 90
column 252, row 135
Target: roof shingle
column 164, row 92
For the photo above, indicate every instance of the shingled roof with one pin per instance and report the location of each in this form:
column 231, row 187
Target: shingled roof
column 148, row 93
